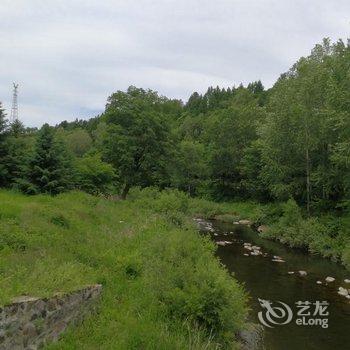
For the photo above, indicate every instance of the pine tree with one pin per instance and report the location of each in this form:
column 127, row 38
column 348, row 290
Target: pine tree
column 17, row 156
column 3, row 146
column 49, row 169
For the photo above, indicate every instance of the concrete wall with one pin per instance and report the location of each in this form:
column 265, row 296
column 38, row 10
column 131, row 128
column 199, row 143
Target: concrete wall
column 30, row 323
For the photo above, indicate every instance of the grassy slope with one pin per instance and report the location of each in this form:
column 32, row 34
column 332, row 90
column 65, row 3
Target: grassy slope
column 160, row 277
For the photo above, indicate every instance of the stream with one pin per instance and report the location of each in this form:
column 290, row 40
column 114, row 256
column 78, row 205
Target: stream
column 274, row 281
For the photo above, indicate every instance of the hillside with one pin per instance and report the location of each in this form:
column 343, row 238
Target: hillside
column 159, row 276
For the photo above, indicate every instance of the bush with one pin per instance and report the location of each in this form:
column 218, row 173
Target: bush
column 309, row 233
column 204, row 208
column 193, row 286
column 171, row 201
column 95, row 176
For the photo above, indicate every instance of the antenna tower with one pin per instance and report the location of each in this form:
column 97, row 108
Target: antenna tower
column 14, row 110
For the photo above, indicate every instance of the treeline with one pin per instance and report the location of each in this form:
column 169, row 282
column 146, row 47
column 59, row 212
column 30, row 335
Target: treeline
column 291, row 141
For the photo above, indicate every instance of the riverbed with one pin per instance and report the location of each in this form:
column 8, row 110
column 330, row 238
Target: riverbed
column 280, row 281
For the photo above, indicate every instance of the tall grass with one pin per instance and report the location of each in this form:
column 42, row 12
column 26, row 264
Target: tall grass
column 163, row 287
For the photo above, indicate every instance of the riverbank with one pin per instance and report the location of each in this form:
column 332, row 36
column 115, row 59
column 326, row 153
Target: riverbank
column 162, row 286
column 325, row 235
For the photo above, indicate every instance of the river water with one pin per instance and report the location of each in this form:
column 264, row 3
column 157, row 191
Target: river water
column 269, row 280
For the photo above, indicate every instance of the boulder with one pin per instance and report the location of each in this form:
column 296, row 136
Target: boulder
column 329, row 279
column 262, row 228
column 252, row 337
column 347, row 280
column 278, row 260
column 318, row 282
column 290, row 272
column 343, row 291
column 302, row 273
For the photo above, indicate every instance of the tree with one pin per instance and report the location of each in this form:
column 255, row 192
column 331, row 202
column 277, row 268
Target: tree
column 138, row 137
column 3, row 146
column 228, row 132
column 18, row 149
column 50, row 169
column 190, row 170
column 306, row 127
column 78, row 141
column 95, row 176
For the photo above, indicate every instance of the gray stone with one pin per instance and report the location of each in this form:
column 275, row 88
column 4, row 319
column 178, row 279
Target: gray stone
column 342, row 291
column 30, row 322
column 263, row 228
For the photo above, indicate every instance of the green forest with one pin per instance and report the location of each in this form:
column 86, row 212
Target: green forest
column 111, row 200
column 288, row 145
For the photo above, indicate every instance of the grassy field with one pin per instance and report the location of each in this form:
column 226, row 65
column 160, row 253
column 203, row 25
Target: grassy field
column 163, row 287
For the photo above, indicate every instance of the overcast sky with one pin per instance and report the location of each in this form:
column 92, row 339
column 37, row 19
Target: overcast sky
column 68, row 56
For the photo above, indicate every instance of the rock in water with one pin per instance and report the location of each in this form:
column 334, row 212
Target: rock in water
column 330, row 279
column 245, row 222
column 255, row 252
column 343, row 291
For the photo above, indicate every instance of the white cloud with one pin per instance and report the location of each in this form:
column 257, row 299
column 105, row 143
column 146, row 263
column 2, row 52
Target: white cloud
column 68, row 56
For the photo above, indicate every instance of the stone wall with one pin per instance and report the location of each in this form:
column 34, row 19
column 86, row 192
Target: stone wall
column 30, row 323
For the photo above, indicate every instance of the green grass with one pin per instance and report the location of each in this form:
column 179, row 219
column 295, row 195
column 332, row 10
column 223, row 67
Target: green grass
column 162, row 286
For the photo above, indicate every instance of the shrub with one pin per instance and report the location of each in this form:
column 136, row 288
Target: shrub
column 310, row 233
column 171, row 201
column 95, row 176
column 193, row 286
column 204, row 208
